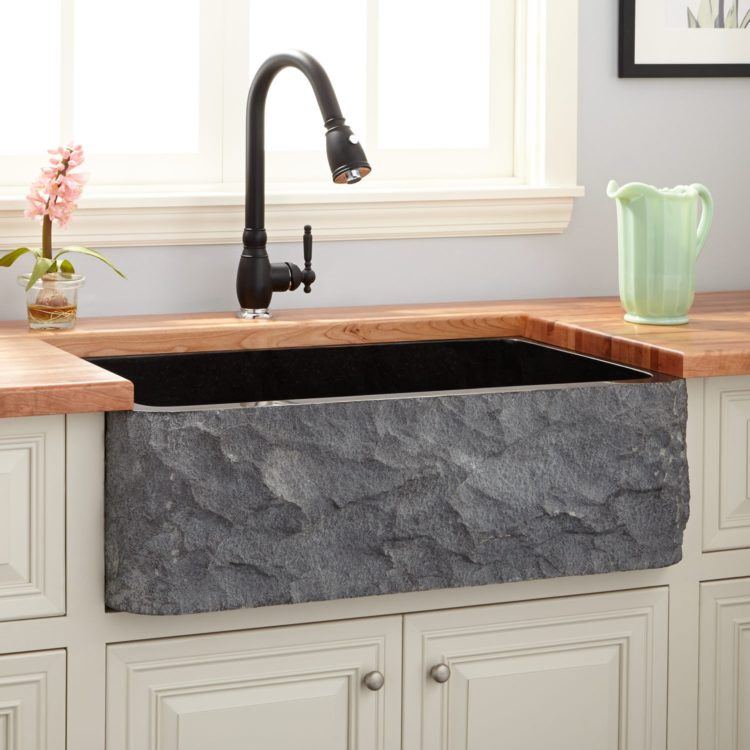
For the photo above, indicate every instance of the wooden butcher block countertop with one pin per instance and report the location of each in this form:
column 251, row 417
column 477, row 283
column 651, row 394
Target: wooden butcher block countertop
column 42, row 372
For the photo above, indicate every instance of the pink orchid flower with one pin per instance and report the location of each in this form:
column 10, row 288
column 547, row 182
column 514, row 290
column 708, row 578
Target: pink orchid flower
column 55, row 192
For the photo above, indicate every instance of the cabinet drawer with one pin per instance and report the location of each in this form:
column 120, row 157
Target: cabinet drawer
column 726, row 495
column 32, row 701
column 579, row 672
column 277, row 689
column 725, row 665
column 32, row 517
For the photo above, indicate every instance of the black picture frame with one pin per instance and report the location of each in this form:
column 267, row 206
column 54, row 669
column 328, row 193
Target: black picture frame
column 628, row 68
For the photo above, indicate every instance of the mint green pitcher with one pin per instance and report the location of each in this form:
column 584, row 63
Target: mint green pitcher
column 659, row 239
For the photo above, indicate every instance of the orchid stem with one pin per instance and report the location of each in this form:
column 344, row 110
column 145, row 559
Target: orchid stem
column 47, row 238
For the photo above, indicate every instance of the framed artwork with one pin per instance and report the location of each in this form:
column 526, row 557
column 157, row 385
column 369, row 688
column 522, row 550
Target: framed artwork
column 693, row 38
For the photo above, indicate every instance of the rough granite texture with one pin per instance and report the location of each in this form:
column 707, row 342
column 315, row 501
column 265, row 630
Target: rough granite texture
column 213, row 510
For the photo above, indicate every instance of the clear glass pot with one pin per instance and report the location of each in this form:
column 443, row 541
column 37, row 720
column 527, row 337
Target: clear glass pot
column 52, row 302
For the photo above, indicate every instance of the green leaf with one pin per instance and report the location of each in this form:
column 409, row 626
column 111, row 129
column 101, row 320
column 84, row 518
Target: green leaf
column 745, row 21
column 692, row 20
column 41, row 267
column 731, row 19
column 67, row 267
column 706, row 14
column 93, row 254
column 10, row 258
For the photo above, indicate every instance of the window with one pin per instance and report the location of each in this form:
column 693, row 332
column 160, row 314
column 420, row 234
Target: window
column 466, row 110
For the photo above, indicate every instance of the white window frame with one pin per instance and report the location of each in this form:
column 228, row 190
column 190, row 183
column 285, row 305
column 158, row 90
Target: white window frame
column 537, row 200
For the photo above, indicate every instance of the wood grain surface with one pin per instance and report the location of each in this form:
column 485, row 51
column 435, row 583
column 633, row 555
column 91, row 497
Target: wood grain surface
column 37, row 378
column 41, row 372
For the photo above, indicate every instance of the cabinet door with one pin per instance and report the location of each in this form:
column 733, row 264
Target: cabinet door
column 570, row 674
column 32, row 701
column 725, row 665
column 726, row 496
column 275, row 689
column 32, row 517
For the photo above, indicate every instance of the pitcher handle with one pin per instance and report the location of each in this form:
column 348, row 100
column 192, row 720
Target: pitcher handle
column 707, row 214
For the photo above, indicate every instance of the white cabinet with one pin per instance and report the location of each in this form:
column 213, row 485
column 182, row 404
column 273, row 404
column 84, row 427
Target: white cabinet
column 582, row 672
column 725, row 665
column 726, row 503
column 568, row 673
column 32, row 517
column 276, row 689
column 32, row 701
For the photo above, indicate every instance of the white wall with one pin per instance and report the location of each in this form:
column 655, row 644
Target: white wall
column 663, row 131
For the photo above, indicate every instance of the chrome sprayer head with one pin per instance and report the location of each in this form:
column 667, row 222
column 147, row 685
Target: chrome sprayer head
column 353, row 176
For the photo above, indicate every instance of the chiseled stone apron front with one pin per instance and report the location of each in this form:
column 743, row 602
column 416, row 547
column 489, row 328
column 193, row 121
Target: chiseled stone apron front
column 219, row 509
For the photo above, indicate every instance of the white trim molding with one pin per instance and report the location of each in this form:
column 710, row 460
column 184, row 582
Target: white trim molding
column 171, row 218
column 538, row 199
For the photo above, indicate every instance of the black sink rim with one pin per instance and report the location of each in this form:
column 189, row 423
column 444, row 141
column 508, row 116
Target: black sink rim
column 646, row 375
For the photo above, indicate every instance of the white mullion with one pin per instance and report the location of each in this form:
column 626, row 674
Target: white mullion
column 67, row 63
column 373, row 41
column 520, row 103
column 210, row 119
column 530, row 78
column 498, row 79
column 236, row 82
column 559, row 92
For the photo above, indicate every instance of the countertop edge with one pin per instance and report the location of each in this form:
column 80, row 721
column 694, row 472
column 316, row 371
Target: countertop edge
column 79, row 398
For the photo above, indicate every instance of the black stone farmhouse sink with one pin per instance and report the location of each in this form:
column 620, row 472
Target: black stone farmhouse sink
column 385, row 469
column 175, row 380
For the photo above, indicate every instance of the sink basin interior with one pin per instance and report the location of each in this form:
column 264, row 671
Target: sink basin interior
column 251, row 376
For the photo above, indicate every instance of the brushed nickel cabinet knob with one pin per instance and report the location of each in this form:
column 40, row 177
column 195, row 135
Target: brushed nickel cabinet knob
column 440, row 673
column 374, row 680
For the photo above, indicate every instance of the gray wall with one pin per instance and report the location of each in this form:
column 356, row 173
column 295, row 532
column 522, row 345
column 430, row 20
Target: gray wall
column 663, row 131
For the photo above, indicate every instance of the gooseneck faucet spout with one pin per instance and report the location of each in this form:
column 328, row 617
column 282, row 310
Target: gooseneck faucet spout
column 257, row 277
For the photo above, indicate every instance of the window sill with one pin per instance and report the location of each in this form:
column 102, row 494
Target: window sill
column 136, row 216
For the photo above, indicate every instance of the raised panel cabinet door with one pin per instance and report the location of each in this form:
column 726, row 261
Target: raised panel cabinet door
column 276, row 689
column 32, row 701
column 724, row 716
column 726, row 496
column 32, row 517
column 579, row 673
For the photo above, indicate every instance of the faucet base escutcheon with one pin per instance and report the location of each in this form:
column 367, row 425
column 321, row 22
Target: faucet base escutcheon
column 262, row 314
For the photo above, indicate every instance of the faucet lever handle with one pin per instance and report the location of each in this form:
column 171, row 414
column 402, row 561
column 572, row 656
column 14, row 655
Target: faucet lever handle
column 308, row 275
